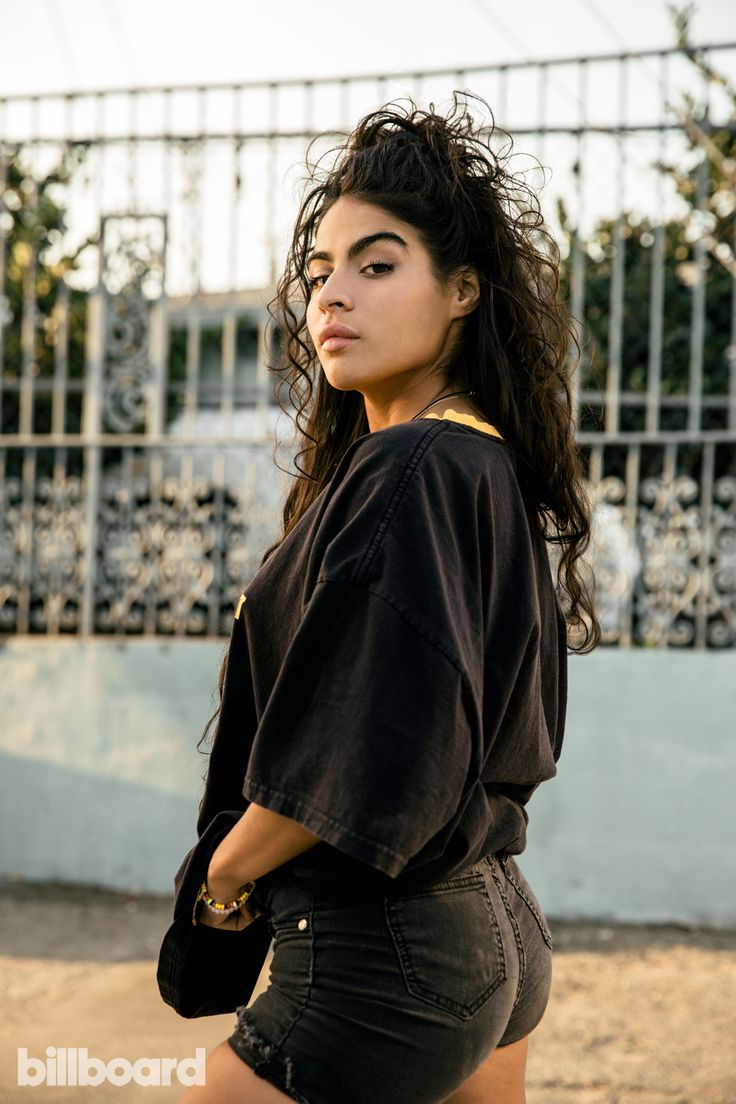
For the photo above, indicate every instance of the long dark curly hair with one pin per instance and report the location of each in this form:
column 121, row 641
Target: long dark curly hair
column 440, row 174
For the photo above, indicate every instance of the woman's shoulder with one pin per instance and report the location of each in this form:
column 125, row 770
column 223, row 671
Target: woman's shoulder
column 443, row 443
column 429, row 485
column 442, row 465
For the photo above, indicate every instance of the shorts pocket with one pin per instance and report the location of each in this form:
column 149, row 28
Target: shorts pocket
column 292, row 963
column 524, row 890
column 448, row 944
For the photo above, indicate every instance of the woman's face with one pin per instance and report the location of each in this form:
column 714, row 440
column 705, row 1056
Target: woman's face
column 371, row 274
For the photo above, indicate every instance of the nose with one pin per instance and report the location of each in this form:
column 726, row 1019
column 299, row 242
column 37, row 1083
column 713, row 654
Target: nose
column 330, row 294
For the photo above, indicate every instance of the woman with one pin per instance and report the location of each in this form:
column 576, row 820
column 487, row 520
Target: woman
column 395, row 685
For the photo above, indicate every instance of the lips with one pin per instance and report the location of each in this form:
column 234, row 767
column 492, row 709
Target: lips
column 336, row 336
column 332, row 344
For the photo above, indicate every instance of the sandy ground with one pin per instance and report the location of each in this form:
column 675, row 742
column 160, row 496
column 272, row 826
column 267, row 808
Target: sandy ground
column 638, row 1015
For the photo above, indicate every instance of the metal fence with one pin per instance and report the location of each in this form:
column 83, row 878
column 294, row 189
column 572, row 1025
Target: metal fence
column 141, row 234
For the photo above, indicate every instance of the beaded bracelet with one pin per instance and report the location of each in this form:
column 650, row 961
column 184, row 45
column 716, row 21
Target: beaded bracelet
column 221, row 908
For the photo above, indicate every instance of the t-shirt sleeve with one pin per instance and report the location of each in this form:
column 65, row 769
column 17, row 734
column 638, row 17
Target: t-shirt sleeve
column 364, row 739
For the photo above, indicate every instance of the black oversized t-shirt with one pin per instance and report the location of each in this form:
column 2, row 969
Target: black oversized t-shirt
column 396, row 677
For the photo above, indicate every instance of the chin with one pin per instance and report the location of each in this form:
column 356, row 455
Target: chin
column 340, row 383
column 346, row 381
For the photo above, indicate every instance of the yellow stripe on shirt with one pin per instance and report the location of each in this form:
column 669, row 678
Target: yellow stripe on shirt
column 467, row 419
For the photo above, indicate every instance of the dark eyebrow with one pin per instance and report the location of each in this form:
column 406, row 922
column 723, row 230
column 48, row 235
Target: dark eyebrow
column 359, row 246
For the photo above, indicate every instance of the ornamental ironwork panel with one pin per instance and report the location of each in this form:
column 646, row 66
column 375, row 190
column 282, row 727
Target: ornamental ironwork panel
column 143, row 460
column 664, row 543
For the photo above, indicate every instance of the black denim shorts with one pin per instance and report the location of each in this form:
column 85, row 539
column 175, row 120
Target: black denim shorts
column 399, row 998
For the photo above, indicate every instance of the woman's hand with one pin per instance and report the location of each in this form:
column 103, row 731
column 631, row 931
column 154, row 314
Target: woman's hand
column 235, row 921
column 222, row 890
column 259, row 842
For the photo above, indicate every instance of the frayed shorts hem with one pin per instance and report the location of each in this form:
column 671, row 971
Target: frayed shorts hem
column 278, row 1074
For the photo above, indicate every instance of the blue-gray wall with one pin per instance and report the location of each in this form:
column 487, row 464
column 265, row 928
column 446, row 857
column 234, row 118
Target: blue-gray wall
column 101, row 777
column 640, row 823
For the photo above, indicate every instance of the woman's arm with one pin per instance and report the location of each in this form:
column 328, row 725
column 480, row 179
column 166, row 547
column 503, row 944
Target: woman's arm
column 259, row 842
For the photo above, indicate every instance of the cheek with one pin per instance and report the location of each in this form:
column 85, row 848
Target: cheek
column 418, row 320
column 312, row 319
column 405, row 303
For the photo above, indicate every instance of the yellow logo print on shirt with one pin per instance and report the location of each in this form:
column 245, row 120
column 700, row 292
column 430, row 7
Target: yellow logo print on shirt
column 240, row 606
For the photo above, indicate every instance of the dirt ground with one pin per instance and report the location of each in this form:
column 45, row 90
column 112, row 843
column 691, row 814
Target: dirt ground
column 638, row 1015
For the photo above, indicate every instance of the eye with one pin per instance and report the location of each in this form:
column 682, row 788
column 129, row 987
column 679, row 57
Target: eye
column 313, row 280
column 379, row 268
column 378, row 264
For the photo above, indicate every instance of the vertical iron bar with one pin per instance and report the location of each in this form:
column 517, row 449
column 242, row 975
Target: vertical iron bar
column 236, row 145
column 595, row 473
column 732, row 347
column 633, row 467
column 29, row 368
column 4, row 234
column 577, row 289
column 577, row 309
column 123, row 601
column 697, row 324
column 616, row 300
column 697, row 317
column 263, row 398
column 656, row 327
column 228, row 353
column 132, row 149
column 192, row 381
column 69, row 118
column 168, row 184
column 61, row 358
column 92, row 407
column 6, row 592
column 91, row 426
column 26, row 527
column 186, row 469
column 706, row 535
column 669, row 472
column 198, row 152
column 101, row 153
column 153, row 595
column 157, row 346
column 219, row 552
column 615, row 327
column 272, row 149
column 656, row 291
column 59, row 475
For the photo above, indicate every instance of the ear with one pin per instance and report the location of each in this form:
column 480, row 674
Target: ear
column 466, row 291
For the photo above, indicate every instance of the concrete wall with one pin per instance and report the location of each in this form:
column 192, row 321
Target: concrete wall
column 640, row 823
column 99, row 772
column 100, row 775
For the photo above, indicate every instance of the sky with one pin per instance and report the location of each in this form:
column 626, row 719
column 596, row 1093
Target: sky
column 74, row 45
